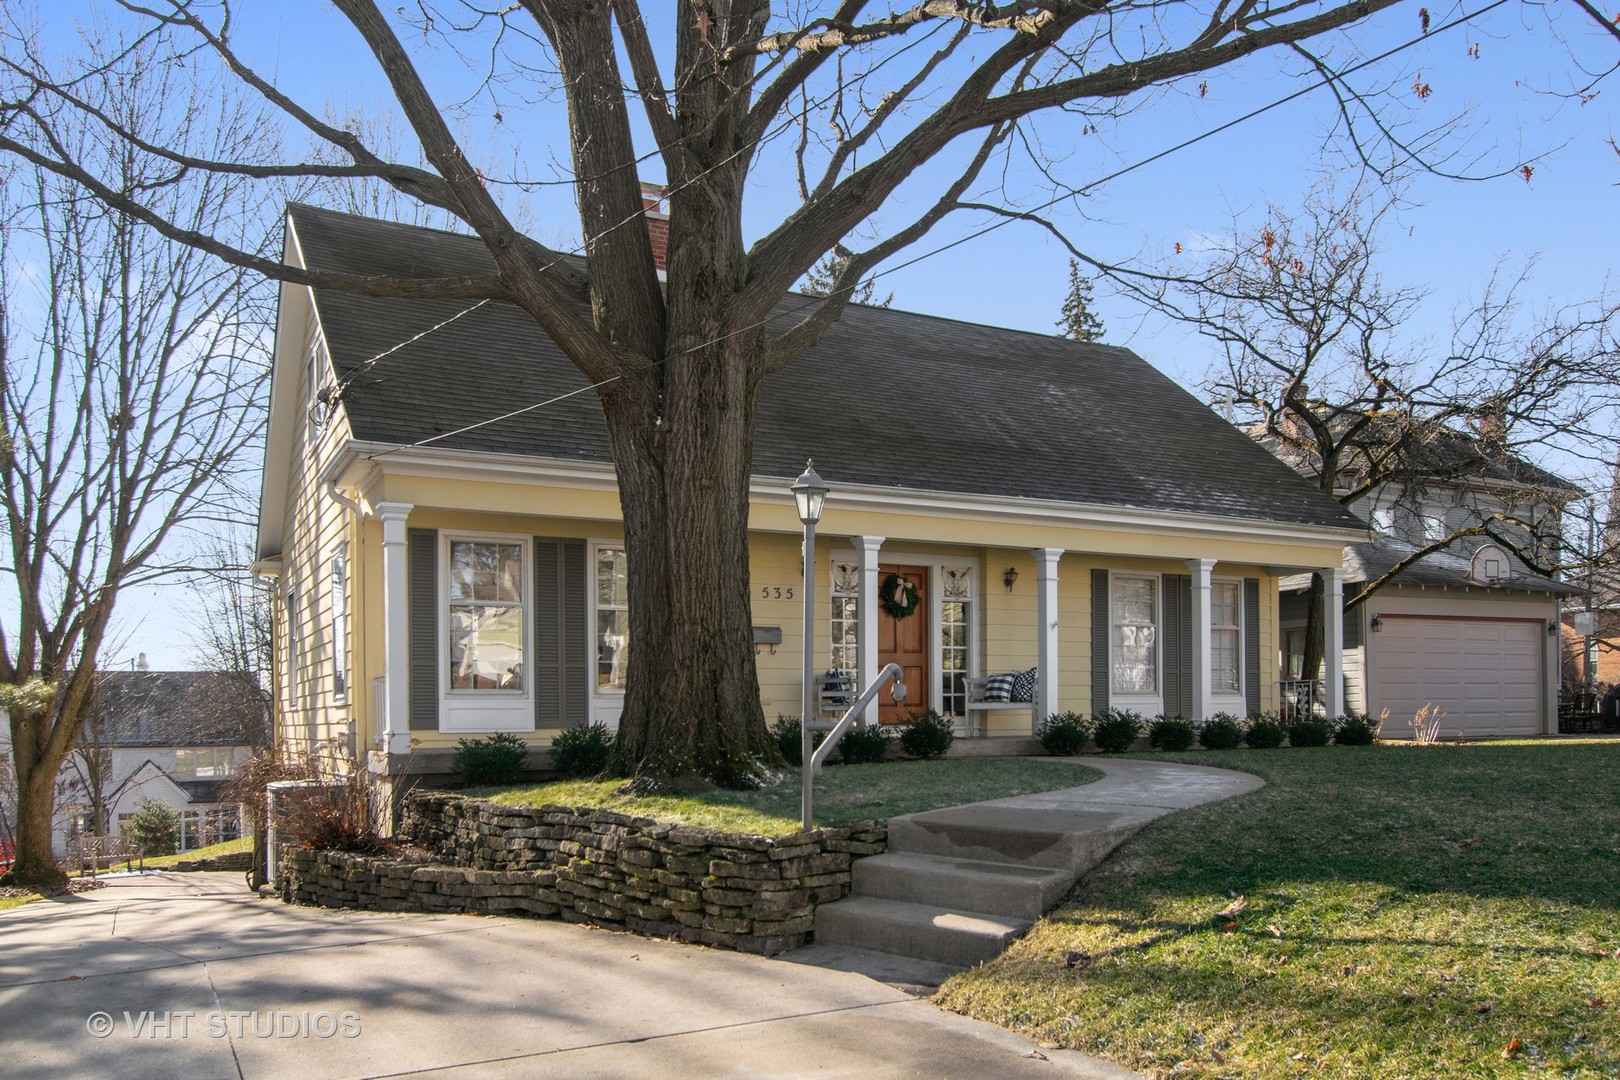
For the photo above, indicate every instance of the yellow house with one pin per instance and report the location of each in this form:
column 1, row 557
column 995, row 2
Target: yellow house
column 440, row 516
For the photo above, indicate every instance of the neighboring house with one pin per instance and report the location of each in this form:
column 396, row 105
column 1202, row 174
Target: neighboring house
column 1470, row 629
column 173, row 736
column 1060, row 506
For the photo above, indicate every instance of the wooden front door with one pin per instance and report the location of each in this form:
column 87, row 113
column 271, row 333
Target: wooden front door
column 905, row 642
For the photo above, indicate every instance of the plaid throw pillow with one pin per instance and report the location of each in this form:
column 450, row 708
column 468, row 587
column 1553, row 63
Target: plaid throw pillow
column 1000, row 687
column 838, row 688
column 1023, row 688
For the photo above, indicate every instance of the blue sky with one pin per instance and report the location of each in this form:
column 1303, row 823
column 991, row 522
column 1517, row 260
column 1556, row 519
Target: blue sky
column 1447, row 241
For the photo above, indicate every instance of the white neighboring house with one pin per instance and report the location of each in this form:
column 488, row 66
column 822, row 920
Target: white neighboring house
column 174, row 736
column 1470, row 629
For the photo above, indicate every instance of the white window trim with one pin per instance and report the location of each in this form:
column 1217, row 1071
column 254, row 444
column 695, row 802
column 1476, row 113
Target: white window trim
column 315, row 413
column 1154, row 700
column 335, row 590
column 1240, row 695
column 486, row 710
column 591, row 607
column 289, row 609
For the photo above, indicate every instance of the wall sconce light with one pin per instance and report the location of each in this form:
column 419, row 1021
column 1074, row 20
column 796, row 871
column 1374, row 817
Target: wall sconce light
column 1377, row 624
column 1009, row 577
column 1552, row 629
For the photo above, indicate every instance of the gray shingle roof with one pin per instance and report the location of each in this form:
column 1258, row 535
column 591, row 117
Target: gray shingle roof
column 1450, row 568
column 177, row 708
column 887, row 398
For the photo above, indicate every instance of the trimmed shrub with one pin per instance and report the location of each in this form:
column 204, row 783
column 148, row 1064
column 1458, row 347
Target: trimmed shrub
column 926, row 735
column 1223, row 731
column 1310, row 731
column 582, row 751
column 1355, row 729
column 494, row 759
column 864, row 745
column 1171, row 733
column 1115, row 729
column 1064, row 734
column 1264, row 732
column 790, row 739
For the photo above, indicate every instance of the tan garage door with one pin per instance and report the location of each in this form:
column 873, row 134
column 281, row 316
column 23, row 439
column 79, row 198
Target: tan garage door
column 1486, row 674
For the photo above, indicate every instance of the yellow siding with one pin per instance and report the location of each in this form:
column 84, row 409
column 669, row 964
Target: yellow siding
column 1005, row 621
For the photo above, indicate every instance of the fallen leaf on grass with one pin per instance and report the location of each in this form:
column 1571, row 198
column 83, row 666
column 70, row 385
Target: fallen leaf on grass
column 1598, row 1003
column 1513, row 1049
column 1077, row 961
column 1231, row 911
column 1483, row 1007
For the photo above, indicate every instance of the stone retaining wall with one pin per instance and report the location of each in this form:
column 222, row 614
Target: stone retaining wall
column 236, row 860
column 742, row 892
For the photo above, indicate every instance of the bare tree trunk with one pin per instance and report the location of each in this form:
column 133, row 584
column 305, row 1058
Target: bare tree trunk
column 692, row 705
column 36, row 806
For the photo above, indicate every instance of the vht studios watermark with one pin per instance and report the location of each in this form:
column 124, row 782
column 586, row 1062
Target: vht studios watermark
column 218, row 1024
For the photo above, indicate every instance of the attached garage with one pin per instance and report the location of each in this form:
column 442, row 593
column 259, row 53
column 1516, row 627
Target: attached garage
column 1487, row 673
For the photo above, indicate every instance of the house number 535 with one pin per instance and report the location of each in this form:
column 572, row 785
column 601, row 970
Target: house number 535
column 775, row 592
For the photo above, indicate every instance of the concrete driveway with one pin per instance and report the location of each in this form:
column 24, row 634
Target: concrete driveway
column 188, row 975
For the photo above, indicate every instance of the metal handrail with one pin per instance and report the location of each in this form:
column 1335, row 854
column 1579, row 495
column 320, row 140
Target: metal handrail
column 813, row 760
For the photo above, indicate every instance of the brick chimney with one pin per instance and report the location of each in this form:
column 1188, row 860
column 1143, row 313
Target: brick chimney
column 652, row 203
column 1490, row 422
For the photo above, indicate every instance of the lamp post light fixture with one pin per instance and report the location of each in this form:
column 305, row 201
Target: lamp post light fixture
column 810, row 493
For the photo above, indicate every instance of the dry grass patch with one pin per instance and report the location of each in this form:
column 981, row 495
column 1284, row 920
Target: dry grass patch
column 1405, row 911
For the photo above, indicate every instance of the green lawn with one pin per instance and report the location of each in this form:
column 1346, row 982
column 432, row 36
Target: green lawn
column 844, row 793
column 229, row 847
column 7, row 902
column 1448, row 911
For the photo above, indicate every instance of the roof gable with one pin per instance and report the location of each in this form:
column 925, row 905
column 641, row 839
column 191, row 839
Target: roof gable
column 887, row 398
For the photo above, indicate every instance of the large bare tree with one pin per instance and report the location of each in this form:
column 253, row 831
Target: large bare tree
column 130, row 372
column 855, row 98
column 1317, row 360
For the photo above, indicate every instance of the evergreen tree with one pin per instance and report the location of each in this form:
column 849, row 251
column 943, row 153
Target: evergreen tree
column 820, row 278
column 1077, row 320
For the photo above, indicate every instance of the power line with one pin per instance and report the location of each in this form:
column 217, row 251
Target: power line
column 1070, row 193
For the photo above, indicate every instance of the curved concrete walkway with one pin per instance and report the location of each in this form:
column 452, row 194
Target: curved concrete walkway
column 957, row 885
column 197, row 977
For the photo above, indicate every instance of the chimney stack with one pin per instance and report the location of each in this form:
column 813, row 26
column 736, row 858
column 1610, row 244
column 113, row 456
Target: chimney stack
column 652, row 204
column 1491, row 424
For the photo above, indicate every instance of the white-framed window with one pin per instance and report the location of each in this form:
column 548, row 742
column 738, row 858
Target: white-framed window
column 955, row 637
column 612, row 664
column 1226, row 637
column 314, row 408
column 291, row 621
column 486, row 603
column 845, row 619
column 1383, row 520
column 1434, row 525
column 338, row 603
column 1293, row 653
column 204, row 762
column 1134, row 613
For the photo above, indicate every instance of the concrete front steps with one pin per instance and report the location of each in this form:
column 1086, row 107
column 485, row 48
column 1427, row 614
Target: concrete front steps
column 959, row 892
column 957, row 886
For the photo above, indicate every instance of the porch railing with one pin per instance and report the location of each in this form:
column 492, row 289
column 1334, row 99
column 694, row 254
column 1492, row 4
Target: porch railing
column 1300, row 698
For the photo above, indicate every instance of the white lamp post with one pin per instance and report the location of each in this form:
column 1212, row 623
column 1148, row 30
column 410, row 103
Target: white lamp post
column 810, row 493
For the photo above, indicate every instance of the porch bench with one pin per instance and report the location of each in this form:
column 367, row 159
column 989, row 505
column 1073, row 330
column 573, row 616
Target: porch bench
column 976, row 705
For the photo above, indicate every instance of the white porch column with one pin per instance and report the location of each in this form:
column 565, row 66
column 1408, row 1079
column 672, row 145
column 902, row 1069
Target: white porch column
column 1333, row 639
column 1046, row 630
column 396, row 732
column 866, row 649
column 1201, row 680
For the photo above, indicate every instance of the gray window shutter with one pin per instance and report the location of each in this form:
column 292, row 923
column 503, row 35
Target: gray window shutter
column 1175, row 629
column 1100, row 678
column 561, row 637
column 422, row 615
column 1251, row 642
